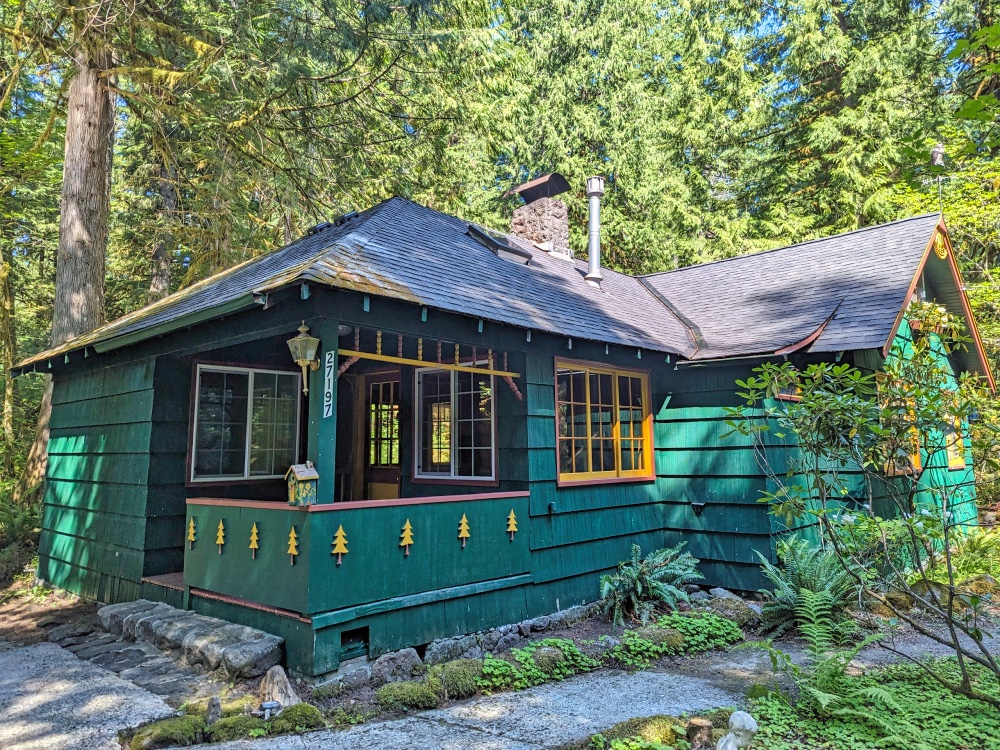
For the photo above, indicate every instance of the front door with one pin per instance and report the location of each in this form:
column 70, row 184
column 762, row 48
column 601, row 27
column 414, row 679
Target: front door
column 382, row 465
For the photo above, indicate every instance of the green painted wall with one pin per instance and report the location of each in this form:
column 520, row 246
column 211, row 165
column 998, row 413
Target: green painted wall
column 100, row 522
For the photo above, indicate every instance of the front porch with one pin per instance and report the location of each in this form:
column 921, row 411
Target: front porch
column 414, row 515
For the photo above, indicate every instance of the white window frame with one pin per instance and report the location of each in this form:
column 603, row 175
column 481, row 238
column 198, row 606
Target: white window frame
column 451, row 476
column 247, row 477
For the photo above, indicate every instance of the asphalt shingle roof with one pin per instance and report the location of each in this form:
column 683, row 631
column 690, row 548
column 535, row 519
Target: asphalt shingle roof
column 764, row 302
column 855, row 283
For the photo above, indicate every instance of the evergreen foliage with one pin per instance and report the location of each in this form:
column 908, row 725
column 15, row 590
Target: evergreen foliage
column 641, row 584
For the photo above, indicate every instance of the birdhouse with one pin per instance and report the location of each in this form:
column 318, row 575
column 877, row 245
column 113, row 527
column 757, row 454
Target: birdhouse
column 302, row 480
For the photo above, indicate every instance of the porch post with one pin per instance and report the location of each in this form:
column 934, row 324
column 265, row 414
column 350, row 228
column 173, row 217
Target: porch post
column 321, row 442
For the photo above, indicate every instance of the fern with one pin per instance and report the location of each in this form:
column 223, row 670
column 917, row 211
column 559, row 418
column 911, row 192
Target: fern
column 639, row 585
column 804, row 568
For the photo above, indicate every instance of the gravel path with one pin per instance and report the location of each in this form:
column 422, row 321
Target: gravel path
column 50, row 699
column 543, row 717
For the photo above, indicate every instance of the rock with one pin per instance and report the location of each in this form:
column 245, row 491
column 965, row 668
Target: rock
column 989, row 518
column 721, row 593
column 253, row 658
column 447, row 649
column 928, row 589
column 475, row 652
column 396, row 666
column 736, row 610
column 700, row 596
column 209, row 648
column 524, row 628
column 540, row 623
column 170, row 634
column 276, row 687
column 131, row 622
column 755, row 608
column 356, row 677
column 214, row 711
column 699, row 733
column 508, row 641
column 71, row 630
column 981, row 585
column 488, row 639
column 113, row 615
column 145, row 629
column 597, row 649
column 576, row 614
column 49, row 621
column 557, row 620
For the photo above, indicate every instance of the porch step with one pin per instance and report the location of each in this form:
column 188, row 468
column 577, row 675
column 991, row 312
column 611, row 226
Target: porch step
column 237, row 651
column 139, row 663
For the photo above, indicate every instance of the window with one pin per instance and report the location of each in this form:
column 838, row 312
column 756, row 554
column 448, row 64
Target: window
column 955, row 445
column 454, row 425
column 383, row 427
column 246, row 423
column 908, row 459
column 604, row 423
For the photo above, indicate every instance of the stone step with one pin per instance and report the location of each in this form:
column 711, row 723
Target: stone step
column 237, row 651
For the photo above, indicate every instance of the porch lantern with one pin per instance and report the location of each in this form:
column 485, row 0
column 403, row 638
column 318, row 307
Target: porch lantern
column 303, row 348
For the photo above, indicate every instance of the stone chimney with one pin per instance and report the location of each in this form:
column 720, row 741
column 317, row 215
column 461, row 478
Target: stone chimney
column 543, row 218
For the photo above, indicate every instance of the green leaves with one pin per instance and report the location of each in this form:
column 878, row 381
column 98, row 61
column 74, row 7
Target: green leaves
column 640, row 584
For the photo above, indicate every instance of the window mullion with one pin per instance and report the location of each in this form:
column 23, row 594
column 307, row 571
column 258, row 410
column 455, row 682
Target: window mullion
column 590, row 434
column 615, row 431
column 247, row 439
column 453, row 421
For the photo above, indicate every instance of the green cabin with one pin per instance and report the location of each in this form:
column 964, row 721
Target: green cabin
column 489, row 423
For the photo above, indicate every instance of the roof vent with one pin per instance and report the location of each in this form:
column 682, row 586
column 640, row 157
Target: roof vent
column 499, row 244
column 318, row 228
column 345, row 218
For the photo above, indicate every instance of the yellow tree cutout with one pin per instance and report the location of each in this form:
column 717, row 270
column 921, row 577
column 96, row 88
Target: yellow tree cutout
column 220, row 536
column 511, row 524
column 463, row 530
column 293, row 545
column 406, row 538
column 253, row 542
column 339, row 544
column 192, row 536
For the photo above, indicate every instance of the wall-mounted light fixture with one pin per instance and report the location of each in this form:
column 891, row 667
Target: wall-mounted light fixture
column 303, row 348
column 698, row 508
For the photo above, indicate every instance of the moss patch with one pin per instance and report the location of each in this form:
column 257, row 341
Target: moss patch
column 456, row 679
column 666, row 638
column 298, row 718
column 719, row 717
column 238, row 706
column 660, row 728
column 418, row 695
column 179, row 730
column 548, row 659
column 736, row 610
column 236, row 728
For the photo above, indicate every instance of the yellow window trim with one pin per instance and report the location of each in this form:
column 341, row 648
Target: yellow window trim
column 955, row 445
column 647, row 423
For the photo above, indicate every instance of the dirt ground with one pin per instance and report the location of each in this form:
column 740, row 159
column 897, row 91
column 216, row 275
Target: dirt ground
column 29, row 612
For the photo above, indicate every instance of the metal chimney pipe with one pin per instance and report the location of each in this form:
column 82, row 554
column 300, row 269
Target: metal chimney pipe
column 595, row 189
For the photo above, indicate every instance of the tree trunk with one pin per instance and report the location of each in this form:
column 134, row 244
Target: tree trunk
column 7, row 357
column 83, row 227
column 159, row 280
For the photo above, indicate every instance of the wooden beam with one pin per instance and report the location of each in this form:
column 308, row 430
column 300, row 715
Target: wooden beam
column 426, row 363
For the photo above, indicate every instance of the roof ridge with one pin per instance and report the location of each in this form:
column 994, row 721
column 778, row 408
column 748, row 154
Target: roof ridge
column 789, row 247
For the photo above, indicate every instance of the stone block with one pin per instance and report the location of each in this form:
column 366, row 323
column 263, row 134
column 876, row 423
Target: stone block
column 130, row 622
column 276, row 687
column 176, row 632
column 253, row 658
column 206, row 647
column 488, row 639
column 112, row 615
column 146, row 628
column 508, row 641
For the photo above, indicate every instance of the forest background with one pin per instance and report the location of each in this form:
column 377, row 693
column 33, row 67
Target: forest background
column 723, row 127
